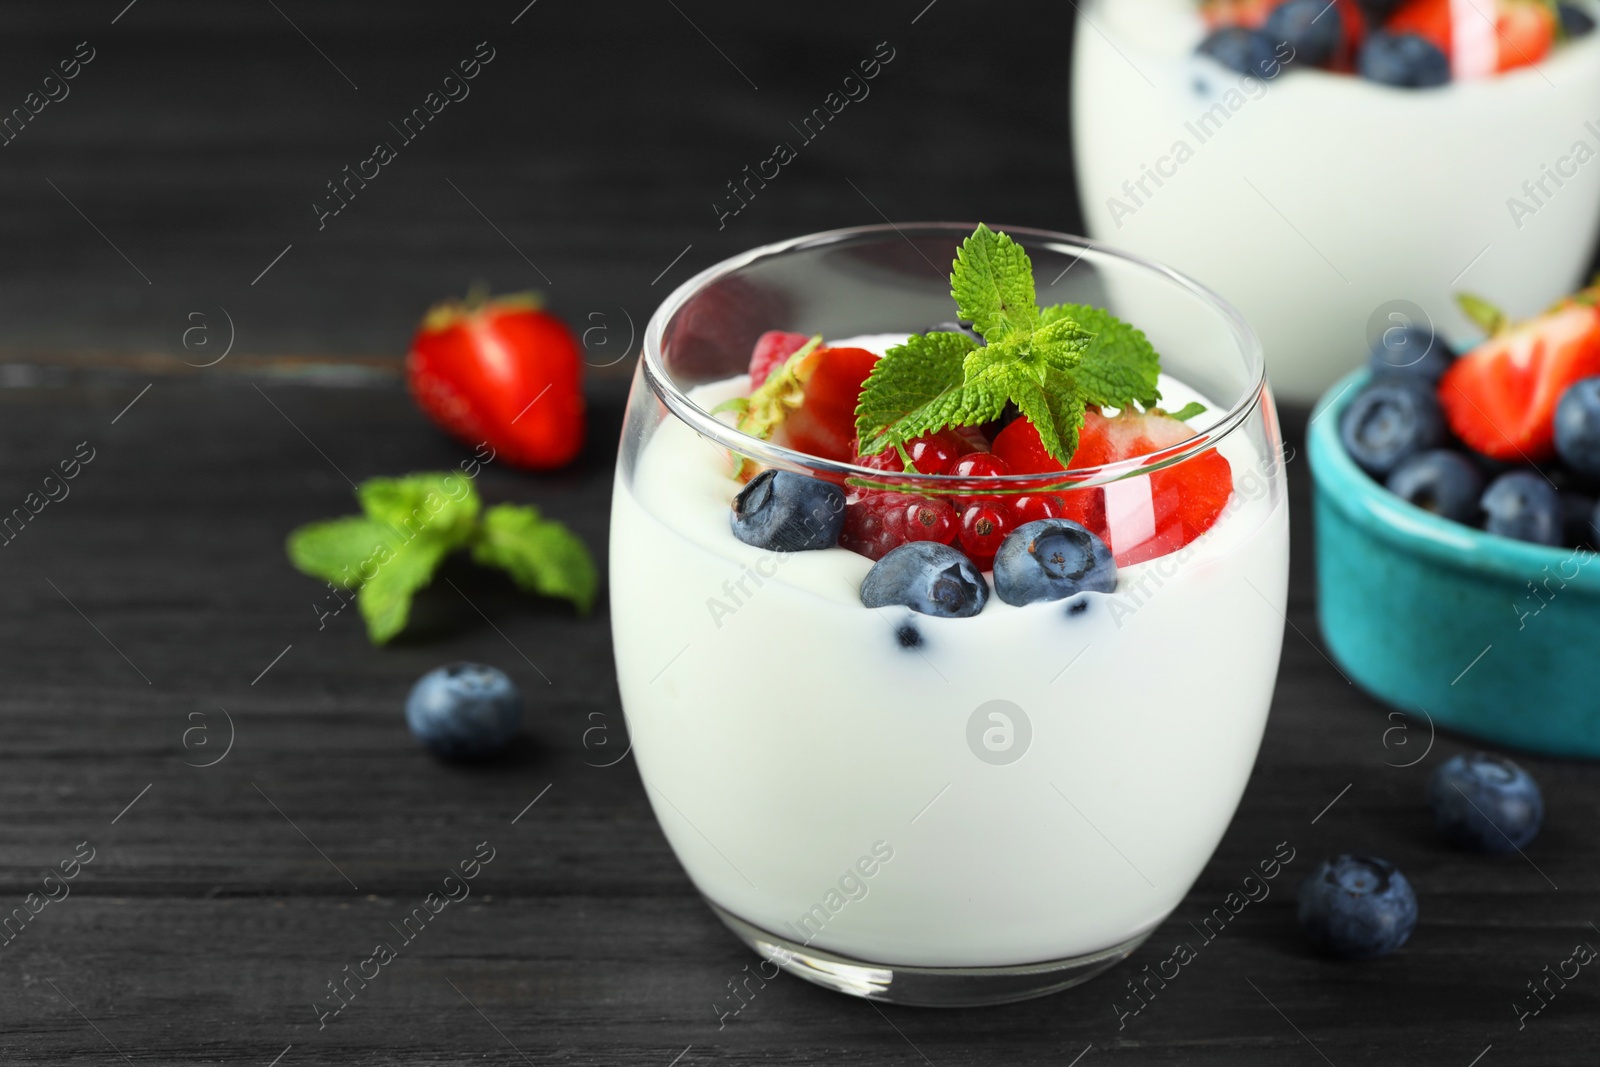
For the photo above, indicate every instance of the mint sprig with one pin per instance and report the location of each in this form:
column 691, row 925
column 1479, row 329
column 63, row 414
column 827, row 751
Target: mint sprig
column 1051, row 363
column 410, row 525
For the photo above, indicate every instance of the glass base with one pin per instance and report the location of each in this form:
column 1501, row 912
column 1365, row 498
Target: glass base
column 928, row 987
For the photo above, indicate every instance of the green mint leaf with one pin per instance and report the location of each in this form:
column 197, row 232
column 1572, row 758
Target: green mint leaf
column 1120, row 367
column 442, row 505
column 1188, row 411
column 385, row 598
column 1061, row 343
column 339, row 550
column 915, row 376
column 541, row 555
column 1488, row 318
column 1055, row 406
column 992, row 282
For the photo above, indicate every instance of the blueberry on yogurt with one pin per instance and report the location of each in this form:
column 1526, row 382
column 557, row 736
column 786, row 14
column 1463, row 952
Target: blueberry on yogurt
column 1313, row 28
column 1403, row 60
column 929, row 578
column 1052, row 559
column 1243, row 50
column 788, row 512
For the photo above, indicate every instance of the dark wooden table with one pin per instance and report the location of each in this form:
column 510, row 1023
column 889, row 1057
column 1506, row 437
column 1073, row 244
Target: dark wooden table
column 177, row 180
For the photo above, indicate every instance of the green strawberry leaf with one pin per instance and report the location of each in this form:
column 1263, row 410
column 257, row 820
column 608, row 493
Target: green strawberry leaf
column 541, row 555
column 1488, row 318
column 1119, row 368
column 992, row 282
column 1188, row 411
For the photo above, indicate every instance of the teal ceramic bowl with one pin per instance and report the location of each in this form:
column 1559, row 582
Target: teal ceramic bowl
column 1490, row 637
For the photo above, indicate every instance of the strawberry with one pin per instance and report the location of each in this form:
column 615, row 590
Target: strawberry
column 1140, row 518
column 1511, row 33
column 1501, row 397
column 1252, row 13
column 502, row 373
column 772, row 348
column 825, row 422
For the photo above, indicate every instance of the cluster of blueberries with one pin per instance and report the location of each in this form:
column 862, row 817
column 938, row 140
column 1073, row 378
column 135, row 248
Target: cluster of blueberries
column 1048, row 559
column 1313, row 30
column 1362, row 907
column 1395, row 430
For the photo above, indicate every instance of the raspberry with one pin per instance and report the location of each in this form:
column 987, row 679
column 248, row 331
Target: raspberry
column 984, row 526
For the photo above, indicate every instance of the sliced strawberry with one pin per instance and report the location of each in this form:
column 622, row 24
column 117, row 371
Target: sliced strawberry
column 1525, row 30
column 772, row 348
column 1501, row 397
column 825, row 422
column 1252, row 13
column 1140, row 518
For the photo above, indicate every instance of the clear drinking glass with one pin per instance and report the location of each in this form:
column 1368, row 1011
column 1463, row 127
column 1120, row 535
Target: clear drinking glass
column 927, row 810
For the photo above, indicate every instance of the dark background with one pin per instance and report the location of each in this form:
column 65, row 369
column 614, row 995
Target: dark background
column 156, row 597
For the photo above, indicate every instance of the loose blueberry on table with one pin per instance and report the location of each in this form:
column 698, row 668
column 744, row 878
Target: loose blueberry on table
column 1357, row 907
column 1485, row 803
column 1406, row 44
column 1505, row 437
column 464, row 711
column 1002, row 390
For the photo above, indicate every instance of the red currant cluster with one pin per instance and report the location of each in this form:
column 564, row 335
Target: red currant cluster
column 879, row 521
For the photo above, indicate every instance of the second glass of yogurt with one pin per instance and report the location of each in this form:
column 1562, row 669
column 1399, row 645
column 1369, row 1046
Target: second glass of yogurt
column 925, row 810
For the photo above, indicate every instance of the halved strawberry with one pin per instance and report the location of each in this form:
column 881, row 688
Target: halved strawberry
column 1492, row 36
column 1141, row 518
column 825, row 422
column 1501, row 397
column 772, row 348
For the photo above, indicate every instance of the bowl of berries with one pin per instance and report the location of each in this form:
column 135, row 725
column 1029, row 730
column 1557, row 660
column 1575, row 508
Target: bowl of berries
column 1456, row 526
column 1291, row 155
column 927, row 586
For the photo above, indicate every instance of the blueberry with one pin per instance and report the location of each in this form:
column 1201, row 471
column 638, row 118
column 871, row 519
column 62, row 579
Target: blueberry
column 958, row 327
column 464, row 711
column 1523, row 505
column 1411, row 350
column 1578, row 427
column 1244, row 50
column 1404, row 60
column 1313, row 28
column 1357, row 907
column 1389, row 420
column 1485, row 803
column 927, row 577
column 788, row 512
column 1575, row 21
column 1052, row 559
column 1577, row 520
column 1443, row 482
column 908, row 636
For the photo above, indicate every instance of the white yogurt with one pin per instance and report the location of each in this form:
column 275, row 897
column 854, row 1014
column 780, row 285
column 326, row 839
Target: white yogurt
column 1316, row 202
column 789, row 742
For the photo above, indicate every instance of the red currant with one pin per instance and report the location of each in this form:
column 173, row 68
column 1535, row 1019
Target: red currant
column 981, row 465
column 983, row 527
column 931, row 520
column 1034, row 506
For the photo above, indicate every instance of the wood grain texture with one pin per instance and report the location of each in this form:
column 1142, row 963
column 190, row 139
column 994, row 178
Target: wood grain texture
column 220, row 903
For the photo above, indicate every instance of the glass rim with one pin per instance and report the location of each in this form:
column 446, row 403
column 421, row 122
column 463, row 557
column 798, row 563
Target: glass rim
column 767, row 453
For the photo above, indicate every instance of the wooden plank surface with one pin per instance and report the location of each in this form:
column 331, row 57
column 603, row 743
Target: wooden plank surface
column 155, row 599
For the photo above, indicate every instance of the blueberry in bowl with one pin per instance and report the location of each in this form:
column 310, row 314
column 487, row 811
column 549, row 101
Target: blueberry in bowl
column 1389, row 420
column 1428, row 600
column 1485, row 803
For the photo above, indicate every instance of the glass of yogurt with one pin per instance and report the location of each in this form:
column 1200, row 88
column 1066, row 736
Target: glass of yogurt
column 924, row 810
column 1329, row 208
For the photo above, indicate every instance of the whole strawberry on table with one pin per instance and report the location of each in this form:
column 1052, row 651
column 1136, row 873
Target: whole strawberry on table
column 1506, row 438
